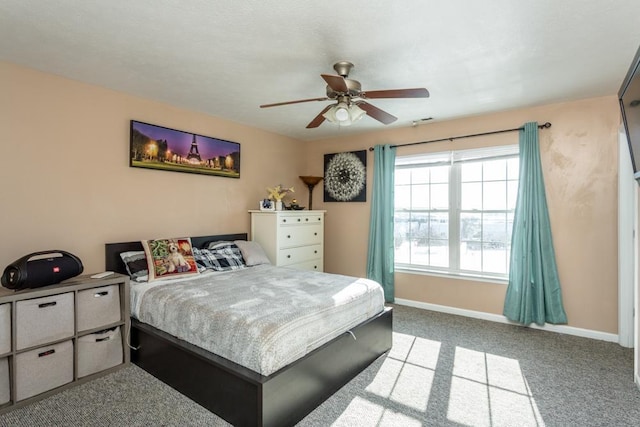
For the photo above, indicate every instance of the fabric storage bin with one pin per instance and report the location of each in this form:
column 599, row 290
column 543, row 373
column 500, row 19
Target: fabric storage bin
column 99, row 351
column 98, row 307
column 5, row 395
column 42, row 320
column 5, row 328
column 43, row 369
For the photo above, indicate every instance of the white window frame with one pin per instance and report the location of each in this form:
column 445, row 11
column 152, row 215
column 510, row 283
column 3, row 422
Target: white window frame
column 455, row 198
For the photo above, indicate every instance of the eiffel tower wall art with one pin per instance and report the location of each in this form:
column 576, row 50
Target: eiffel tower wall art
column 161, row 148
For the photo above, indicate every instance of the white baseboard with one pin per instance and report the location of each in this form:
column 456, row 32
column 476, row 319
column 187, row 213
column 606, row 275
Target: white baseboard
column 638, row 382
column 562, row 329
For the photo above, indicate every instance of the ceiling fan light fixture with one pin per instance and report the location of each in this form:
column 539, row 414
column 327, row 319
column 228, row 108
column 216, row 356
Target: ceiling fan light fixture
column 355, row 112
column 344, row 114
column 331, row 113
column 341, row 112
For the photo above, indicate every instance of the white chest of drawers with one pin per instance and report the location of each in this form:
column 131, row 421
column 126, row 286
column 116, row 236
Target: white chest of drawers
column 291, row 238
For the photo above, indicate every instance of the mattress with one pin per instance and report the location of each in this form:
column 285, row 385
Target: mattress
column 261, row 317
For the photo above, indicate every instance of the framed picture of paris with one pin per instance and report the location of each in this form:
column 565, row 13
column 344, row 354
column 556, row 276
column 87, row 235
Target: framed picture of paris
column 161, row 148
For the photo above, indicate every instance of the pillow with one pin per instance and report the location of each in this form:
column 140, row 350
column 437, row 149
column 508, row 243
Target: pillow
column 136, row 264
column 169, row 258
column 222, row 244
column 222, row 258
column 252, row 253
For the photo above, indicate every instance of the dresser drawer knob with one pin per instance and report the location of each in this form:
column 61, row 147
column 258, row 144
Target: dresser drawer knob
column 315, row 252
column 306, row 219
column 288, row 256
column 100, row 294
column 284, row 220
column 288, row 236
column 315, row 234
column 298, row 219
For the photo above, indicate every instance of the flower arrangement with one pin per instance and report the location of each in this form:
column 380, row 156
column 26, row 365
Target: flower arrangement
column 278, row 192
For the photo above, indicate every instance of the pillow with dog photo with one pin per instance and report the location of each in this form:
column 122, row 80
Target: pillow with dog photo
column 169, row 258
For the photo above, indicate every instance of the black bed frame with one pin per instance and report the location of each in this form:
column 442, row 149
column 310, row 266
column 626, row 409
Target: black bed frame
column 239, row 395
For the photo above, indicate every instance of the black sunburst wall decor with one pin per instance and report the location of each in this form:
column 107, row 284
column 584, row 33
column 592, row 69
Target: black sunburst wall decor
column 345, row 177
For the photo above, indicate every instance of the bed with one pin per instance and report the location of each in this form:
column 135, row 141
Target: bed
column 244, row 396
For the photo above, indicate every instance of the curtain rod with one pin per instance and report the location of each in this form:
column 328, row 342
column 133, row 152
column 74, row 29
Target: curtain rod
column 547, row 125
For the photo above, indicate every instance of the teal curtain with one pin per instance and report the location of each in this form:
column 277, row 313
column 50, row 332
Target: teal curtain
column 533, row 294
column 380, row 254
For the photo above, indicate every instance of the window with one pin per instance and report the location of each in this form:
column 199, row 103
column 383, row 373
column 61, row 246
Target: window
column 454, row 211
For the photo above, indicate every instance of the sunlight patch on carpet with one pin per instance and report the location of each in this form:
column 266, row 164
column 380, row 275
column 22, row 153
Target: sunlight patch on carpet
column 360, row 409
column 364, row 413
column 408, row 382
column 490, row 390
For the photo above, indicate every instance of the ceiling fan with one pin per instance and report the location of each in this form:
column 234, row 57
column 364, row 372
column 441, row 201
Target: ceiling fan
column 351, row 102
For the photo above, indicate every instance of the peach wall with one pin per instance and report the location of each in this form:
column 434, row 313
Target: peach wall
column 579, row 156
column 67, row 184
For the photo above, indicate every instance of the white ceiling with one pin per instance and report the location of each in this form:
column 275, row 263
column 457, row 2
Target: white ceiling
column 226, row 57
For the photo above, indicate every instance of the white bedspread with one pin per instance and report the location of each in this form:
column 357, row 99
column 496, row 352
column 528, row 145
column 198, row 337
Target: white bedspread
column 261, row 317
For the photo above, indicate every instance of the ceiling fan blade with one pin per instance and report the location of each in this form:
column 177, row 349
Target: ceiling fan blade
column 336, row 83
column 317, row 121
column 294, row 102
column 397, row 93
column 376, row 113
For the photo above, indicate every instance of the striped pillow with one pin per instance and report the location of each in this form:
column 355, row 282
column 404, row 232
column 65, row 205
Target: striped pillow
column 136, row 264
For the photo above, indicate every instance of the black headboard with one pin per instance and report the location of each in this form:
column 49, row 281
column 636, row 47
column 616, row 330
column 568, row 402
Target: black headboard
column 113, row 262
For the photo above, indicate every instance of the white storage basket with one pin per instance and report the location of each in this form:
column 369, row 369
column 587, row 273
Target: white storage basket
column 5, row 328
column 98, row 307
column 43, row 369
column 43, row 320
column 5, row 395
column 99, row 351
